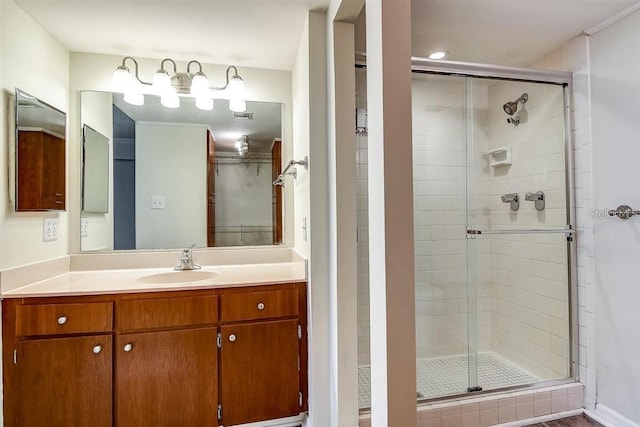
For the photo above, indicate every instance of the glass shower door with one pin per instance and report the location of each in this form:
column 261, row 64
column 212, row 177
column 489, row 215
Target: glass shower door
column 517, row 233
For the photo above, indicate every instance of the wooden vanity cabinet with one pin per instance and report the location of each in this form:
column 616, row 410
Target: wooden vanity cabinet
column 166, row 362
column 181, row 359
column 260, row 355
column 58, row 367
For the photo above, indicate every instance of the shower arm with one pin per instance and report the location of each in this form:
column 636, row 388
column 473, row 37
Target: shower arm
column 304, row 162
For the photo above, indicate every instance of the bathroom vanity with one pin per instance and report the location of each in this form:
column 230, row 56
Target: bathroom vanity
column 206, row 354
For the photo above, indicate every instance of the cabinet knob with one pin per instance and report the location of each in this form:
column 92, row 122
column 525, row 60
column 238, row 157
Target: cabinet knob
column 62, row 320
column 232, row 337
column 128, row 347
column 97, row 349
column 260, row 306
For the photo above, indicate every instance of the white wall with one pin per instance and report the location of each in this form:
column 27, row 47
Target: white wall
column 97, row 113
column 171, row 164
column 245, row 220
column 615, row 95
column 309, row 129
column 36, row 63
column 90, row 71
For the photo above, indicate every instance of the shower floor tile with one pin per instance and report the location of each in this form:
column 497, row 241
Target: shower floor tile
column 444, row 376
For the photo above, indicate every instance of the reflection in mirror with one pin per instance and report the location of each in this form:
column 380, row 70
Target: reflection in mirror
column 184, row 177
column 95, row 171
column 39, row 155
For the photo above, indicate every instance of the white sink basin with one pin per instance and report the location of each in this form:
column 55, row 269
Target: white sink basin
column 184, row 276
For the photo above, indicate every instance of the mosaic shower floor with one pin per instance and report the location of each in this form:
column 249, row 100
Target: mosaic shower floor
column 444, row 376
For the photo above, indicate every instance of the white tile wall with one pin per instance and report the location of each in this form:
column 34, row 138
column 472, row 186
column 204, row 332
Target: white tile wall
column 529, row 273
column 573, row 56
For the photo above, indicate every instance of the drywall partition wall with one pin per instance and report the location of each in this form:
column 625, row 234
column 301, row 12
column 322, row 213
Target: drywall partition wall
column 36, row 63
column 97, row 113
column 246, row 220
column 171, row 191
column 309, row 130
column 90, row 71
column 615, row 96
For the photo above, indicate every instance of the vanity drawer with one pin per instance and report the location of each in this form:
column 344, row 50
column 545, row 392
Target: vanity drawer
column 166, row 312
column 259, row 305
column 60, row 319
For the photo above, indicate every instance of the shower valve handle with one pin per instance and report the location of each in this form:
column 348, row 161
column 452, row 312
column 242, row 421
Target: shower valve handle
column 624, row 212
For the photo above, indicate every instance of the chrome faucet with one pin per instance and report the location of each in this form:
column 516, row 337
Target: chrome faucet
column 186, row 261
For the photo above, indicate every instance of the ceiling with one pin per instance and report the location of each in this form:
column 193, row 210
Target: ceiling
column 266, row 33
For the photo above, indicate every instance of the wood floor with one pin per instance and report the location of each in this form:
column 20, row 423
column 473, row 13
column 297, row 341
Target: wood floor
column 577, row 421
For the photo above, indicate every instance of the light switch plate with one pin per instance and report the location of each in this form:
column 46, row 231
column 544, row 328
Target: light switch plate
column 50, row 229
column 84, row 227
column 157, row 202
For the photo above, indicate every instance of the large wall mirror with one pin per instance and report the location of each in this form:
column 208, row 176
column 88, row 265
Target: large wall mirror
column 183, row 177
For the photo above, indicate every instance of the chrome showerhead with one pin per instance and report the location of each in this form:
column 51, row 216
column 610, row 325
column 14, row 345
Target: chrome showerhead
column 511, row 107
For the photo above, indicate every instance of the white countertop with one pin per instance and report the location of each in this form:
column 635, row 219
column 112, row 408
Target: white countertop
column 95, row 282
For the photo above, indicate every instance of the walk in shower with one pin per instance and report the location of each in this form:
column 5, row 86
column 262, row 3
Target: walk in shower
column 492, row 231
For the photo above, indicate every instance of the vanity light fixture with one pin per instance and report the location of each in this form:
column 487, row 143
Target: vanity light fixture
column 169, row 86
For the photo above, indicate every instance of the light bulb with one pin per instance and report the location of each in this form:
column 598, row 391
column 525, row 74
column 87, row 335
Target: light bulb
column 237, row 105
column 236, row 87
column 161, row 82
column 122, row 79
column 134, row 98
column 204, row 103
column 199, row 85
column 170, row 99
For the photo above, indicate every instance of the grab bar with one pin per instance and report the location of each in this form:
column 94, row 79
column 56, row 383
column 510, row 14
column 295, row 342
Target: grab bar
column 304, row 162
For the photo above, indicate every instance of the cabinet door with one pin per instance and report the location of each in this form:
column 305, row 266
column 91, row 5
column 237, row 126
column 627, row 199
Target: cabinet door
column 65, row 382
column 167, row 379
column 259, row 376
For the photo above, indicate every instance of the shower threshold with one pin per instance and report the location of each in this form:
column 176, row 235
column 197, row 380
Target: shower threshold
column 444, row 376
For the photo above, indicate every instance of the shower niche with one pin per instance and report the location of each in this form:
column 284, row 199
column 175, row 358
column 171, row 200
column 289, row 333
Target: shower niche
column 492, row 283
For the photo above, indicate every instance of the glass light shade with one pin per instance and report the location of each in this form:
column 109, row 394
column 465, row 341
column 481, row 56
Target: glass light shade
column 170, row 99
column 204, row 103
column 236, row 87
column 161, row 82
column 199, row 85
column 134, row 98
column 122, row 79
column 237, row 105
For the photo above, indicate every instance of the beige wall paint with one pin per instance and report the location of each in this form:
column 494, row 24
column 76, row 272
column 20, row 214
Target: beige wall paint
column 391, row 253
column 36, row 63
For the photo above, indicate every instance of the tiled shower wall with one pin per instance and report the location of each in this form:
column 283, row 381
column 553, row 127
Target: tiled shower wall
column 439, row 170
column 529, row 272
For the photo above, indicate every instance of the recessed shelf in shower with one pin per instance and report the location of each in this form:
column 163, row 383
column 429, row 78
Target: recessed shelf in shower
column 500, row 157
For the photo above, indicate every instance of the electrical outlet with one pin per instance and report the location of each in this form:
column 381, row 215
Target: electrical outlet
column 84, row 227
column 50, row 229
column 157, row 202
